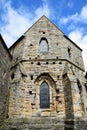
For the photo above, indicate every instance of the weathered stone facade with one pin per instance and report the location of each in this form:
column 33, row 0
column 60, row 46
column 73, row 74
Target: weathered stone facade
column 5, row 60
column 47, row 82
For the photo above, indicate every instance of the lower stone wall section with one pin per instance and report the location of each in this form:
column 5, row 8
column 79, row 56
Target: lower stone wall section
column 44, row 123
column 35, row 123
column 81, row 124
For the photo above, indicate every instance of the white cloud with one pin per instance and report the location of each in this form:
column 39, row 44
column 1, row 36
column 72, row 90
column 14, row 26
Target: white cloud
column 77, row 17
column 17, row 21
column 15, row 25
column 42, row 10
column 79, row 38
column 65, row 20
column 76, row 35
column 83, row 14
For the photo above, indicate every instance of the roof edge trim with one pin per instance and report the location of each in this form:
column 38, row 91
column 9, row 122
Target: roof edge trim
column 73, row 42
column 15, row 43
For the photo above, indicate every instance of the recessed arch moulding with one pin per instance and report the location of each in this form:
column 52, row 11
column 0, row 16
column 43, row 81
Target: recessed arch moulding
column 46, row 78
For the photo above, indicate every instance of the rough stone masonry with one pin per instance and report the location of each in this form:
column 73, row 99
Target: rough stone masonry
column 42, row 81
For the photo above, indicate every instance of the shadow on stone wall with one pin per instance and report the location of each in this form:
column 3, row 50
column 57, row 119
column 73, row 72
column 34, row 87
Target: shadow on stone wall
column 69, row 121
column 4, row 97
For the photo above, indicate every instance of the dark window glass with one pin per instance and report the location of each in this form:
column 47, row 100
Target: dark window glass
column 69, row 52
column 44, row 96
column 79, row 86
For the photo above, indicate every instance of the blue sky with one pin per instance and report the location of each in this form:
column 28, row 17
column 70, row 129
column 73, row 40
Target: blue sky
column 16, row 16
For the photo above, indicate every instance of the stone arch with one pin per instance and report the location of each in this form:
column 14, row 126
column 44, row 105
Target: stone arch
column 46, row 78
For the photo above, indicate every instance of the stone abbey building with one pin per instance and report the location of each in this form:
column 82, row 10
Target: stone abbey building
column 42, row 81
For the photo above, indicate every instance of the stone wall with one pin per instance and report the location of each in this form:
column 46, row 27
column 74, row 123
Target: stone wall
column 5, row 59
column 44, row 123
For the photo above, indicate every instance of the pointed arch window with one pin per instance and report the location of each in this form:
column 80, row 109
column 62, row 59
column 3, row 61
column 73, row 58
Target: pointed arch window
column 43, row 45
column 44, row 95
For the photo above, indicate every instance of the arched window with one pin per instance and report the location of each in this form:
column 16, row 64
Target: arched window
column 43, row 45
column 44, row 95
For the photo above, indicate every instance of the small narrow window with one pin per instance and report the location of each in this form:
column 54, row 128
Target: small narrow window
column 69, row 52
column 43, row 45
column 31, row 77
column 79, row 86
